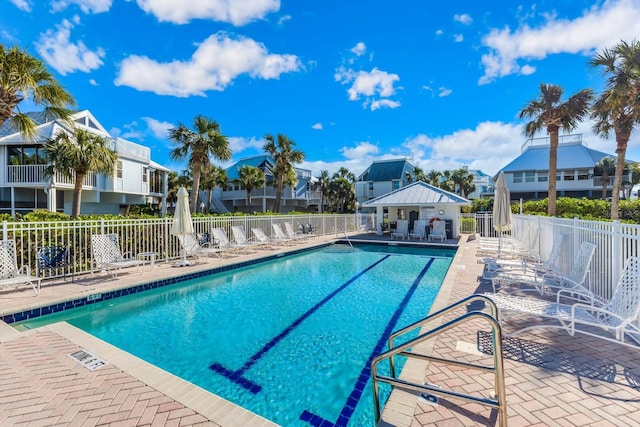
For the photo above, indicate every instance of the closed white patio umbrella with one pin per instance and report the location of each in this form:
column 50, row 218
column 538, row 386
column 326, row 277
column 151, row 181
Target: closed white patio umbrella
column 182, row 224
column 502, row 219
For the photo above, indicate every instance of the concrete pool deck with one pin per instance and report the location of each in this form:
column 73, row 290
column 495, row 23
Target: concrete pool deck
column 551, row 377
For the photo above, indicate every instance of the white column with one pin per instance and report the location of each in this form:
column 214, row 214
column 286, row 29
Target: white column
column 51, row 199
column 379, row 219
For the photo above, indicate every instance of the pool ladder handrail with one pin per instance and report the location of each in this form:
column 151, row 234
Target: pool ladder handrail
column 341, row 228
column 497, row 401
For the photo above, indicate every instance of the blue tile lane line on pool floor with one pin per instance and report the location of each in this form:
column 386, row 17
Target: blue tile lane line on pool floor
column 365, row 374
column 238, row 376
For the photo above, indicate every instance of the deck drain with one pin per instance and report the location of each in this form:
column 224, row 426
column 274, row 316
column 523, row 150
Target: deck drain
column 87, row 360
column 429, row 398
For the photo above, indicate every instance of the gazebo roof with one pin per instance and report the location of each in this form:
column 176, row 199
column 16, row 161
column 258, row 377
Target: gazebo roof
column 417, row 194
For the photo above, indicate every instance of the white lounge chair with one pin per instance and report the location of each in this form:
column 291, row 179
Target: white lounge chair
column 619, row 315
column 419, row 230
column 551, row 282
column 263, row 238
column 10, row 274
column 240, row 238
column 526, row 265
column 191, row 247
column 222, row 241
column 290, row 233
column 402, row 229
column 438, row 231
column 106, row 254
column 278, row 234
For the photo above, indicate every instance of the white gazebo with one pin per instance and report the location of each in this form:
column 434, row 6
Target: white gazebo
column 418, row 201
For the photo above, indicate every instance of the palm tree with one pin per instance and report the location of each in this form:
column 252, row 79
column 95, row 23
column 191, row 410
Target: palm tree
column 617, row 108
column 76, row 155
column 251, row 178
column 198, row 145
column 323, row 186
column 284, row 156
column 342, row 183
column 418, row 174
column 212, row 177
column 408, row 177
column 463, row 179
column 434, row 177
column 607, row 166
column 24, row 77
column 548, row 112
column 635, row 177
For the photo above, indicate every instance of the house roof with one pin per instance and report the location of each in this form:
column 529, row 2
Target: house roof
column 570, row 156
column 386, row 170
column 263, row 162
column 416, row 194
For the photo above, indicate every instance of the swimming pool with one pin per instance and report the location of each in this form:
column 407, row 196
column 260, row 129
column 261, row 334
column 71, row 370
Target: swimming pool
column 290, row 339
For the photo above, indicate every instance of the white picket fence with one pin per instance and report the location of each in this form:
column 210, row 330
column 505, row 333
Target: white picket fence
column 153, row 235
column 615, row 242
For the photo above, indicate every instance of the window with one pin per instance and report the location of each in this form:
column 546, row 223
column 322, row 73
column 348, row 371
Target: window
column 529, row 177
column 144, row 174
column 543, row 177
column 583, row 175
column 370, row 185
column 19, row 155
column 119, row 169
column 517, row 177
column 569, row 175
column 395, row 184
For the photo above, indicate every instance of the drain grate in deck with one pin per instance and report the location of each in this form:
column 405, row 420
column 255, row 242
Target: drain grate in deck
column 87, row 359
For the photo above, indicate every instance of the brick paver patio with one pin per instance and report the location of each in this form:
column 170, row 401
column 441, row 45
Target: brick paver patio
column 551, row 378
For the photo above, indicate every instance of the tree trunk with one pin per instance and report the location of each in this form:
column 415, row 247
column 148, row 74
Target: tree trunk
column 553, row 162
column 249, row 199
column 197, row 170
column 621, row 151
column 605, row 183
column 276, row 207
column 209, row 195
column 77, row 194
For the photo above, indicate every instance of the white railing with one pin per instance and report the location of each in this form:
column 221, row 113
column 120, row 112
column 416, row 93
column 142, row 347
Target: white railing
column 149, row 235
column 34, row 174
column 615, row 242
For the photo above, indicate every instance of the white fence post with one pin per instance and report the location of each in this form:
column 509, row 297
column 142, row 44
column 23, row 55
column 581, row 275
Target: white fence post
column 616, row 251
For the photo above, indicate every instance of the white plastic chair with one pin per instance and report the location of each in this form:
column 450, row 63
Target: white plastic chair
column 10, row 274
column 402, row 229
column 105, row 250
column 222, row 241
column 419, row 230
column 438, row 231
column 589, row 315
column 240, row 238
column 191, row 247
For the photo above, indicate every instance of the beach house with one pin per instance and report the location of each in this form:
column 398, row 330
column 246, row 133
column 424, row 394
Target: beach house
column 24, row 186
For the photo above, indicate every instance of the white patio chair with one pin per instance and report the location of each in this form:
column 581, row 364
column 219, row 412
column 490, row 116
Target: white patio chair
column 551, row 282
column 588, row 315
column 278, row 234
column 402, row 229
column 106, row 255
column 10, row 274
column 240, row 238
column 223, row 242
column 191, row 247
column 525, row 265
column 419, row 230
column 263, row 238
column 290, row 233
column 438, row 231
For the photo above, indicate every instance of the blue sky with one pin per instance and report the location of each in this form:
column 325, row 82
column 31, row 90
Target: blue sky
column 440, row 83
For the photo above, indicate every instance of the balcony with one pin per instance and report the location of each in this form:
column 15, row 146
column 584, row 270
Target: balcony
column 34, row 175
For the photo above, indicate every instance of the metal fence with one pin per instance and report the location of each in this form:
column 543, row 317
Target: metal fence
column 151, row 235
column 615, row 242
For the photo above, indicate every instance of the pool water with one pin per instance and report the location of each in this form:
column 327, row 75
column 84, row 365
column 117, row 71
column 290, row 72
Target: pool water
column 290, row 339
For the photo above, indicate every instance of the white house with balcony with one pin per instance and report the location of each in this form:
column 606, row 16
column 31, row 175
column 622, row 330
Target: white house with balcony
column 302, row 197
column 527, row 175
column 382, row 177
column 25, row 187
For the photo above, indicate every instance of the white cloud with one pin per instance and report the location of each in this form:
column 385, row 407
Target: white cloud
column 439, row 32
column 384, row 103
column 317, row 126
column 368, row 84
column 87, row 6
column 238, row 144
column 236, row 12
column 60, row 53
column 362, row 149
column 444, row 92
column 92, row 82
column 599, row 27
column 283, row 19
column 158, row 128
column 465, row 18
column 24, row 5
column 458, row 38
column 359, row 49
column 214, row 65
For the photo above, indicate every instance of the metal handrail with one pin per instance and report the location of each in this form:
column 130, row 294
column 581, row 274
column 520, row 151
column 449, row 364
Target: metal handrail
column 341, row 228
column 498, row 401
